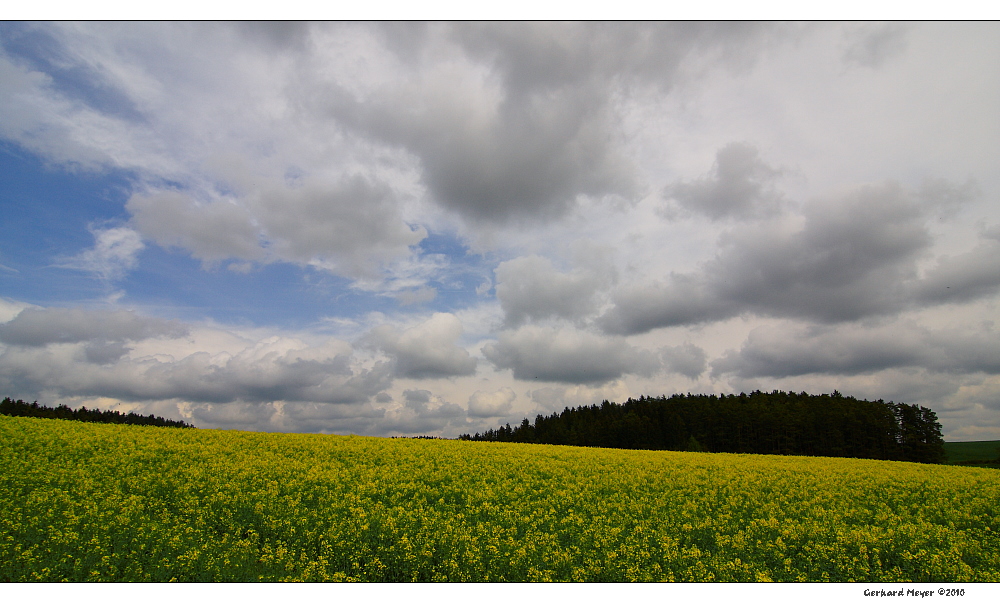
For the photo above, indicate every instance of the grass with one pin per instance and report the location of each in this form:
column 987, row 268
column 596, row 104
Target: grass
column 983, row 453
column 95, row 502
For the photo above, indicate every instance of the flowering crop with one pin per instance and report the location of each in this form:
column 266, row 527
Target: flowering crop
column 83, row 502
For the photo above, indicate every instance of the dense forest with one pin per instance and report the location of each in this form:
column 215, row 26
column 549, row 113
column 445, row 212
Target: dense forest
column 20, row 408
column 759, row 423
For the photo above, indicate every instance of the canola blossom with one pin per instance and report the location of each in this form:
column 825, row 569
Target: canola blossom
column 98, row 502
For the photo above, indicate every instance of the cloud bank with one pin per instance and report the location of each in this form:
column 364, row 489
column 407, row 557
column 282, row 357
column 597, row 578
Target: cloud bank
column 395, row 229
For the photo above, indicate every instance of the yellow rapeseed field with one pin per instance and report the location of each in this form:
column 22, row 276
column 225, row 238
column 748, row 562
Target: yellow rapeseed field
column 83, row 502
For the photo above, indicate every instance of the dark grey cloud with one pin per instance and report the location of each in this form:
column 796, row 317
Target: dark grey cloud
column 495, row 163
column 248, row 379
column 347, row 222
column 244, row 416
column 491, row 404
column 100, row 352
column 298, row 417
column 853, row 349
column 850, row 259
column 687, row 359
column 567, row 355
column 336, row 418
column 423, row 402
column 211, row 231
column 685, row 299
column 946, row 198
column 279, row 35
column 254, row 375
column 42, row 326
column 531, row 123
column 986, row 396
column 740, row 185
column 872, row 45
column 964, row 277
column 530, row 288
column 538, row 56
column 349, row 225
column 423, row 412
column 360, row 386
column 77, row 352
column 853, row 257
column 426, row 351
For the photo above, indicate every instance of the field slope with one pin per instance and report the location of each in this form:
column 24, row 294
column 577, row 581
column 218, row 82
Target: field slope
column 82, row 501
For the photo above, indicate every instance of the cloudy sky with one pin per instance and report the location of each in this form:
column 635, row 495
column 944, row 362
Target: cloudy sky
column 401, row 229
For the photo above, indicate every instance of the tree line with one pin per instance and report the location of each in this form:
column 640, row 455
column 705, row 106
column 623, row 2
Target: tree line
column 20, row 408
column 758, row 423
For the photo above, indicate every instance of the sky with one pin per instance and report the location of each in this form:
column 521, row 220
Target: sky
column 437, row 228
